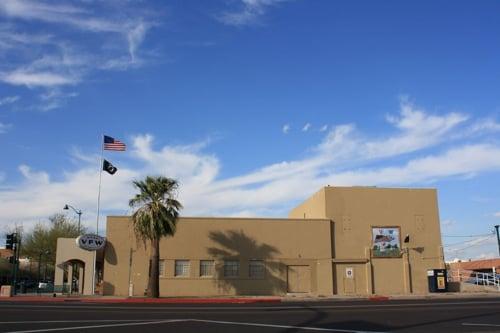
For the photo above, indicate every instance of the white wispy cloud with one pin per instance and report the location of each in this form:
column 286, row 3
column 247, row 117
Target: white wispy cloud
column 323, row 128
column 306, row 127
column 4, row 127
column 12, row 39
column 497, row 214
column 343, row 157
column 52, row 60
column 448, row 224
column 57, row 13
column 135, row 37
column 247, row 12
column 286, row 128
column 38, row 79
column 8, row 100
column 484, row 125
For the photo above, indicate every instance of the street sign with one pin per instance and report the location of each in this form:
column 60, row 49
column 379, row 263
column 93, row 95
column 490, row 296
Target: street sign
column 91, row 242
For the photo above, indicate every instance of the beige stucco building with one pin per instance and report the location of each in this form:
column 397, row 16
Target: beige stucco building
column 342, row 240
column 74, row 267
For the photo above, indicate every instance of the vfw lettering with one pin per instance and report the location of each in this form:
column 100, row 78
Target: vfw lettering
column 91, row 242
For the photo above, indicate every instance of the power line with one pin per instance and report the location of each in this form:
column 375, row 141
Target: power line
column 487, row 236
column 470, row 236
column 472, row 245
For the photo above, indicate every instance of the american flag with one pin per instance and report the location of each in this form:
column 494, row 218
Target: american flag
column 113, row 144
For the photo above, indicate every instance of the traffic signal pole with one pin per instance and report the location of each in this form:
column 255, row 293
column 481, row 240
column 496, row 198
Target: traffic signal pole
column 13, row 242
column 16, row 262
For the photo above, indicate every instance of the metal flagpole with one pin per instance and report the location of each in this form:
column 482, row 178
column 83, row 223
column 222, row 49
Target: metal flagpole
column 98, row 211
column 100, row 178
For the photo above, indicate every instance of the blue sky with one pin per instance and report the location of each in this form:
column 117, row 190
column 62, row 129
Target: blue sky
column 252, row 104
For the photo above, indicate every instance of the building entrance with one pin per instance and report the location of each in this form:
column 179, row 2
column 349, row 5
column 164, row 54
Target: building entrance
column 74, row 276
column 298, row 279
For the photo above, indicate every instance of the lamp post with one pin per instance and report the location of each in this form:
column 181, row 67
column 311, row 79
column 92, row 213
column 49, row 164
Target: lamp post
column 498, row 238
column 77, row 211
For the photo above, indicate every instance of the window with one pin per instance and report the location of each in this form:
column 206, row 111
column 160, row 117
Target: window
column 161, row 267
column 206, row 268
column 231, row 268
column 182, row 268
column 256, row 269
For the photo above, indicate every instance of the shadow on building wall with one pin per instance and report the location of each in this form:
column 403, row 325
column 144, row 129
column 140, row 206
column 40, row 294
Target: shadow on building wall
column 110, row 254
column 111, row 258
column 109, row 288
column 236, row 245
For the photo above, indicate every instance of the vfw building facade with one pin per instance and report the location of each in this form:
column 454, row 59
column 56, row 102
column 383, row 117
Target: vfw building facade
column 342, row 240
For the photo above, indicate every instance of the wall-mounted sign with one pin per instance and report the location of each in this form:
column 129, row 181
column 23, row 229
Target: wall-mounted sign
column 441, row 283
column 386, row 242
column 90, row 242
column 349, row 272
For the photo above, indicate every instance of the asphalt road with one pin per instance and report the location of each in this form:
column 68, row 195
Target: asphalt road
column 457, row 315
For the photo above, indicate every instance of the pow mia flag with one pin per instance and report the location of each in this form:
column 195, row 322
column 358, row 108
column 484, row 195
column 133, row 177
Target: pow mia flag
column 109, row 168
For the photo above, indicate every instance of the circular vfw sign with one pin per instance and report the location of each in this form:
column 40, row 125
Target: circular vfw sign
column 90, row 242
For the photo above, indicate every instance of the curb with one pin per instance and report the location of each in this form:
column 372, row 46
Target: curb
column 441, row 296
column 378, row 298
column 241, row 300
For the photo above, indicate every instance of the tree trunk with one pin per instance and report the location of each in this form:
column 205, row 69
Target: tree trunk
column 154, row 273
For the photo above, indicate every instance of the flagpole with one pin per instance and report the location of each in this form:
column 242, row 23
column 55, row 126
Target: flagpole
column 98, row 212
column 100, row 178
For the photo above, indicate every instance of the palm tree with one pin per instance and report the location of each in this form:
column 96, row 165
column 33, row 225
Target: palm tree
column 155, row 217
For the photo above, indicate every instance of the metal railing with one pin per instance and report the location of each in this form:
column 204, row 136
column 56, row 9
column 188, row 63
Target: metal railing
column 474, row 277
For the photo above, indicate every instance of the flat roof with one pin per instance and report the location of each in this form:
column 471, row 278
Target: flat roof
column 380, row 188
column 237, row 218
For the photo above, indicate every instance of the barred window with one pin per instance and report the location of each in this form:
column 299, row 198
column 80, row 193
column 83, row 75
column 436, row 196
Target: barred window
column 161, row 267
column 182, row 268
column 231, row 268
column 256, row 269
column 206, row 268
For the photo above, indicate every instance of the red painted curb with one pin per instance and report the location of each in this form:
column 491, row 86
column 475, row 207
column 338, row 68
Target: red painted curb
column 378, row 298
column 143, row 300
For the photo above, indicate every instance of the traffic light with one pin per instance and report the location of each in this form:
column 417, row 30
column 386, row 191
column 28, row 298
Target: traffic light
column 11, row 240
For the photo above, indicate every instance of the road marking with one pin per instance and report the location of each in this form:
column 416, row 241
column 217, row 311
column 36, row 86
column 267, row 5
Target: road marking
column 98, row 326
column 149, row 322
column 72, row 321
column 478, row 324
column 305, row 328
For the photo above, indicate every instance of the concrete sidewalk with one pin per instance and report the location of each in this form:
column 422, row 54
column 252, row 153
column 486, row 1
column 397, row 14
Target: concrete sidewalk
column 242, row 299
column 444, row 296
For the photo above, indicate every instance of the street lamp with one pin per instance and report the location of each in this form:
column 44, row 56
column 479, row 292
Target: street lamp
column 78, row 211
column 498, row 238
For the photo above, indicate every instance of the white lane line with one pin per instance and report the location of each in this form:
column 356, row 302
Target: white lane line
column 478, row 324
column 98, row 326
column 74, row 321
column 305, row 328
column 246, row 308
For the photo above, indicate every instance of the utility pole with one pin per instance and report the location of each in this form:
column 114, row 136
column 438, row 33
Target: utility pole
column 39, row 267
column 498, row 238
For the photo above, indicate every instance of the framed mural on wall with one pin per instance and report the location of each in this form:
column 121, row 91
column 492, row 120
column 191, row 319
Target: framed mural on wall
column 386, row 242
